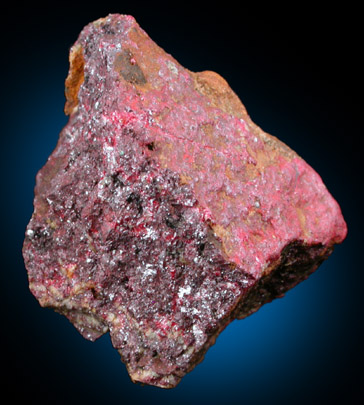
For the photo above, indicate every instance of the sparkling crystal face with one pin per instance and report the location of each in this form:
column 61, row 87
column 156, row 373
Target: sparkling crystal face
column 130, row 250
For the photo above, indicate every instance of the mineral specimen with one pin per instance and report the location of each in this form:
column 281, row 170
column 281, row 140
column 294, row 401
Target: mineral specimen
column 164, row 213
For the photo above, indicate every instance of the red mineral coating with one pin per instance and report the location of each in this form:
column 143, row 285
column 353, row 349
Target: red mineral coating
column 164, row 212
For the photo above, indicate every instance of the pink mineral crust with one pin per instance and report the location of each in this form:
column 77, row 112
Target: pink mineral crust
column 164, row 213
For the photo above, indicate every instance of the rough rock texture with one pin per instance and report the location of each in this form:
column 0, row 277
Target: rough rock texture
column 164, row 213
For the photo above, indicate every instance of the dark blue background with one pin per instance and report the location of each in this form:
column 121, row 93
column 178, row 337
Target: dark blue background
column 299, row 76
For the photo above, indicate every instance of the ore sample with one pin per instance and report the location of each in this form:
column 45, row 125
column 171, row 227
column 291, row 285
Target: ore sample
column 164, row 212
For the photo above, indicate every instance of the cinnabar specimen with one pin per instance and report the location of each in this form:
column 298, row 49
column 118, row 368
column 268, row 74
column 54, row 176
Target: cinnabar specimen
column 164, row 212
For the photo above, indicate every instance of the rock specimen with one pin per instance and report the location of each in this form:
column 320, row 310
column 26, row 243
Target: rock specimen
column 164, row 213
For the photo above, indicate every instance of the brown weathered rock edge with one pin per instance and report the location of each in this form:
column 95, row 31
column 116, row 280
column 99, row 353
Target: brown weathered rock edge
column 288, row 264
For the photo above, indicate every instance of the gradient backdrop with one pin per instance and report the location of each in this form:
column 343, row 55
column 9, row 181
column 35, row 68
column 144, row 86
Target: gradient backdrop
column 298, row 76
